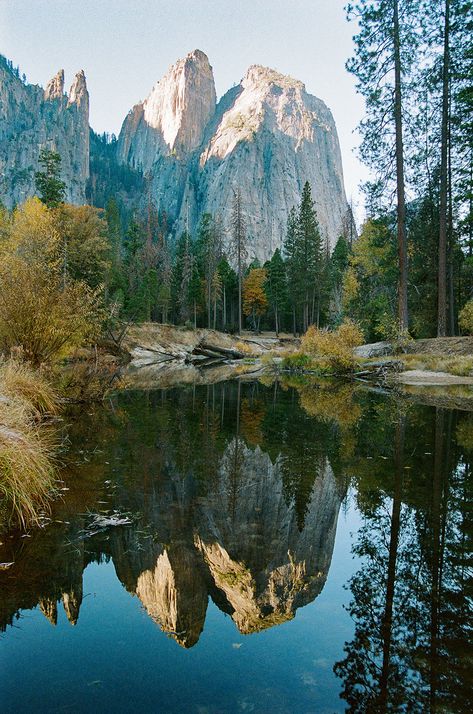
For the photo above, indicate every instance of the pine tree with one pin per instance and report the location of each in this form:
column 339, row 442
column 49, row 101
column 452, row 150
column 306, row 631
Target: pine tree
column 48, row 183
column 308, row 258
column 238, row 246
column 116, row 279
column 209, row 251
column 385, row 50
column 292, row 263
column 276, row 287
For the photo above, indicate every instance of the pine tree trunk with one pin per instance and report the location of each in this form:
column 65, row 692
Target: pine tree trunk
column 450, row 238
column 401, row 201
column 276, row 322
column 239, row 297
column 387, row 622
column 224, row 309
column 442, row 246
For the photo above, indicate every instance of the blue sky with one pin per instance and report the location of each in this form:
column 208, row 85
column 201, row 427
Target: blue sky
column 125, row 46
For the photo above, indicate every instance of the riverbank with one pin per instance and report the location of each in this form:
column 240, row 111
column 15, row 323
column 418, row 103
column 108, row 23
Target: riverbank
column 438, row 370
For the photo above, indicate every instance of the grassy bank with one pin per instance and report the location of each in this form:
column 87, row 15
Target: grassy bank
column 27, row 470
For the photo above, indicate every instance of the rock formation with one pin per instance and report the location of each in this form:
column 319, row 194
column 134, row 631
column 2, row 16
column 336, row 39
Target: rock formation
column 267, row 136
column 31, row 119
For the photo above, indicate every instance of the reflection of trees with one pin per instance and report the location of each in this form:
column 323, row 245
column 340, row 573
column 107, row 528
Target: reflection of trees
column 411, row 649
column 203, row 475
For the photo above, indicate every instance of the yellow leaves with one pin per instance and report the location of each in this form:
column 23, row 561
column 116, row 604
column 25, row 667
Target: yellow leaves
column 371, row 249
column 465, row 318
column 254, row 296
column 33, row 233
column 351, row 286
column 42, row 310
column 336, row 347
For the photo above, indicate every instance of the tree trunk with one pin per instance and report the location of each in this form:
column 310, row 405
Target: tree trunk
column 401, row 202
column 276, row 322
column 442, row 246
column 224, row 317
column 386, row 626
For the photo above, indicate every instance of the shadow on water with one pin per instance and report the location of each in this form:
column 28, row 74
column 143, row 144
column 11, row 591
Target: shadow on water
column 232, row 492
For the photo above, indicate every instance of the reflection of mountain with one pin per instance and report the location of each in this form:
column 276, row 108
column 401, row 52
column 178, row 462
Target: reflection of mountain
column 239, row 538
column 250, row 541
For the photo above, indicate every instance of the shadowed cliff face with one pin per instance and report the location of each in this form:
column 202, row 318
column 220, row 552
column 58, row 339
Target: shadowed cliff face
column 31, row 119
column 216, row 521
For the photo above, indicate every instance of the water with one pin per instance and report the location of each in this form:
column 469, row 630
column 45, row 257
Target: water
column 248, row 548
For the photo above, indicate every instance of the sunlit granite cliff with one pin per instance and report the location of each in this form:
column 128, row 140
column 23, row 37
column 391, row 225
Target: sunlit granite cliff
column 31, row 119
column 266, row 136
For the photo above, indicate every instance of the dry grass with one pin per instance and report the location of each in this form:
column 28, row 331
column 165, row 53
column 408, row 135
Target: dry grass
column 460, row 365
column 246, row 349
column 21, row 382
column 27, row 471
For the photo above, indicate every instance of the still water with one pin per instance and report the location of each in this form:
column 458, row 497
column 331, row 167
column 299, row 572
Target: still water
column 248, row 547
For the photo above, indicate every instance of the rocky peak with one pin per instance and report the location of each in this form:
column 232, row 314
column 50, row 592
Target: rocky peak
column 182, row 102
column 78, row 93
column 260, row 77
column 55, row 86
column 173, row 118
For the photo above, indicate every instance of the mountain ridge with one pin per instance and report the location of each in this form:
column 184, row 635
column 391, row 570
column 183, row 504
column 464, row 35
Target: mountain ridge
column 265, row 136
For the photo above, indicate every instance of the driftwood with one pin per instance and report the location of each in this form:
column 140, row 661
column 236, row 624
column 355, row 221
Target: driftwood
column 223, row 351
column 379, row 371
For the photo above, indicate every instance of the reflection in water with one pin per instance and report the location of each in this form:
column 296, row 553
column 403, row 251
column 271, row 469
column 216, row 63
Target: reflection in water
column 233, row 492
column 411, row 597
column 213, row 513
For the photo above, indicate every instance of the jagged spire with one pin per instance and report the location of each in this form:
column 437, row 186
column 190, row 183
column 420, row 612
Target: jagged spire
column 55, row 86
column 49, row 609
column 78, row 93
column 72, row 602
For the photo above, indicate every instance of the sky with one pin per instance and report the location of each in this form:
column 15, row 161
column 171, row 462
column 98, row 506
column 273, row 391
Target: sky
column 125, row 46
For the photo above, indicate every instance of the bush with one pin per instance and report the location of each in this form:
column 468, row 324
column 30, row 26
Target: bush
column 42, row 309
column 390, row 330
column 465, row 318
column 334, row 348
column 296, row 362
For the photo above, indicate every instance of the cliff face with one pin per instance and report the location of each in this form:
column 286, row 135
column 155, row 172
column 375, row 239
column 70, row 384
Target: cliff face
column 32, row 118
column 172, row 120
column 267, row 136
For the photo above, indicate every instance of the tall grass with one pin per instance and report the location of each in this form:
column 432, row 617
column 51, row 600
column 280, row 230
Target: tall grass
column 27, row 471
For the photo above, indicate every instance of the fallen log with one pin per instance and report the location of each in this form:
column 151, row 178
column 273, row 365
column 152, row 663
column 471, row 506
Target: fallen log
column 224, row 351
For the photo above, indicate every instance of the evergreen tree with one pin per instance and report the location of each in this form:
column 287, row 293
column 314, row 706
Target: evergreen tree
column 238, row 246
column 209, row 251
column 308, row 259
column 385, row 50
column 116, row 279
column 48, row 182
column 292, row 263
column 276, row 287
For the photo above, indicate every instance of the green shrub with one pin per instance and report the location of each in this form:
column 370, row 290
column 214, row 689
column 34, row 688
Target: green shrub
column 465, row 318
